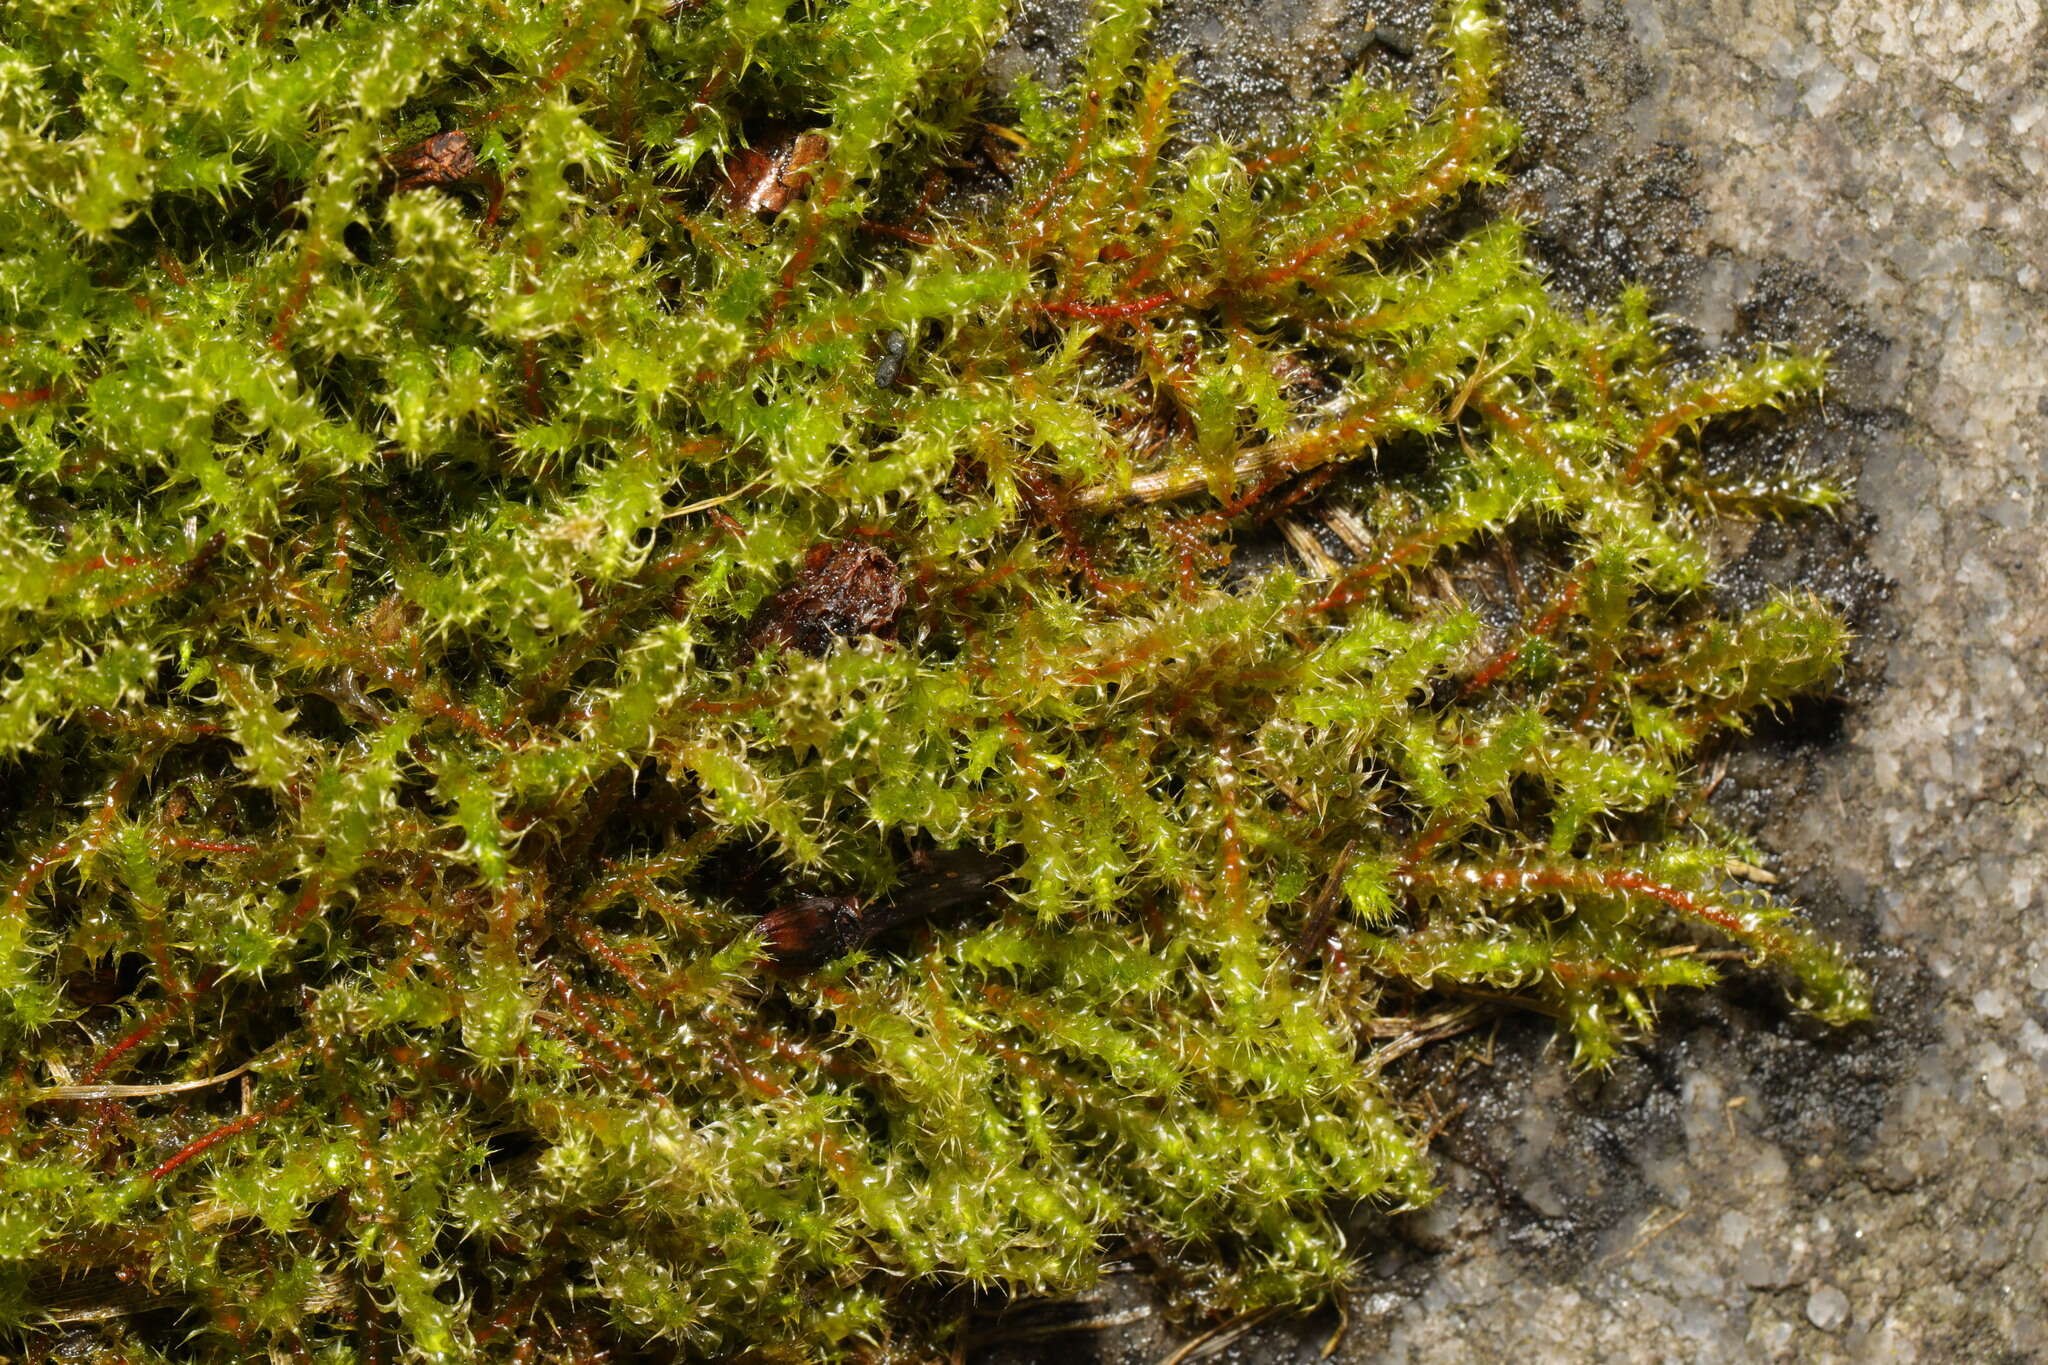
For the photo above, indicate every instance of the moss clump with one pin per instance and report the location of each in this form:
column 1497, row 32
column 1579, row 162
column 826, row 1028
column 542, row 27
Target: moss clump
column 425, row 667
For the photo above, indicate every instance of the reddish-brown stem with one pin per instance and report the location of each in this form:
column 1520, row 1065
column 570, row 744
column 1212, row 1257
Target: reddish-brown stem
column 529, row 375
column 829, row 188
column 149, row 1027
column 1500, row 663
column 13, row 400
column 901, row 234
column 1091, row 114
column 1667, row 422
column 296, row 299
column 1107, row 311
column 521, row 1306
column 1505, row 414
column 40, row 865
column 302, row 908
column 1353, row 585
column 1581, row 879
column 1449, row 170
column 1048, row 503
column 221, row 1134
column 565, row 993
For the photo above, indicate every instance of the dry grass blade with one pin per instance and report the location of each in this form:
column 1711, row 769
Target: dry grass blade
column 1216, row 1338
column 134, row 1092
column 1419, row 1033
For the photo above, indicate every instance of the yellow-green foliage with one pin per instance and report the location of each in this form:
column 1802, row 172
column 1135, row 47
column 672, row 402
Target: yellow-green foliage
column 390, row 791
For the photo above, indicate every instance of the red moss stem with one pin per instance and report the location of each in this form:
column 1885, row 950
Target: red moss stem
column 221, row 1134
column 1107, row 312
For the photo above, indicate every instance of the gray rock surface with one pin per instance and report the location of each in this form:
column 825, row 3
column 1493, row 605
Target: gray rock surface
column 1870, row 175
column 1896, row 155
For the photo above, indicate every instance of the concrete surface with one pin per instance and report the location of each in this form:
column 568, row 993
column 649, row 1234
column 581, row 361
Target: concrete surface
column 1870, row 175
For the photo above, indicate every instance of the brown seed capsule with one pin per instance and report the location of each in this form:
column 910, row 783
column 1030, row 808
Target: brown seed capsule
column 807, row 933
column 813, row 931
column 846, row 589
column 439, row 161
column 764, row 178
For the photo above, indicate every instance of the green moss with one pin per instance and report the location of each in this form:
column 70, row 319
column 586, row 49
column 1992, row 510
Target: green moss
column 393, row 784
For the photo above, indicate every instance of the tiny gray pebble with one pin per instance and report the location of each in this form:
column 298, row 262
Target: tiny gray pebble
column 1827, row 1307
